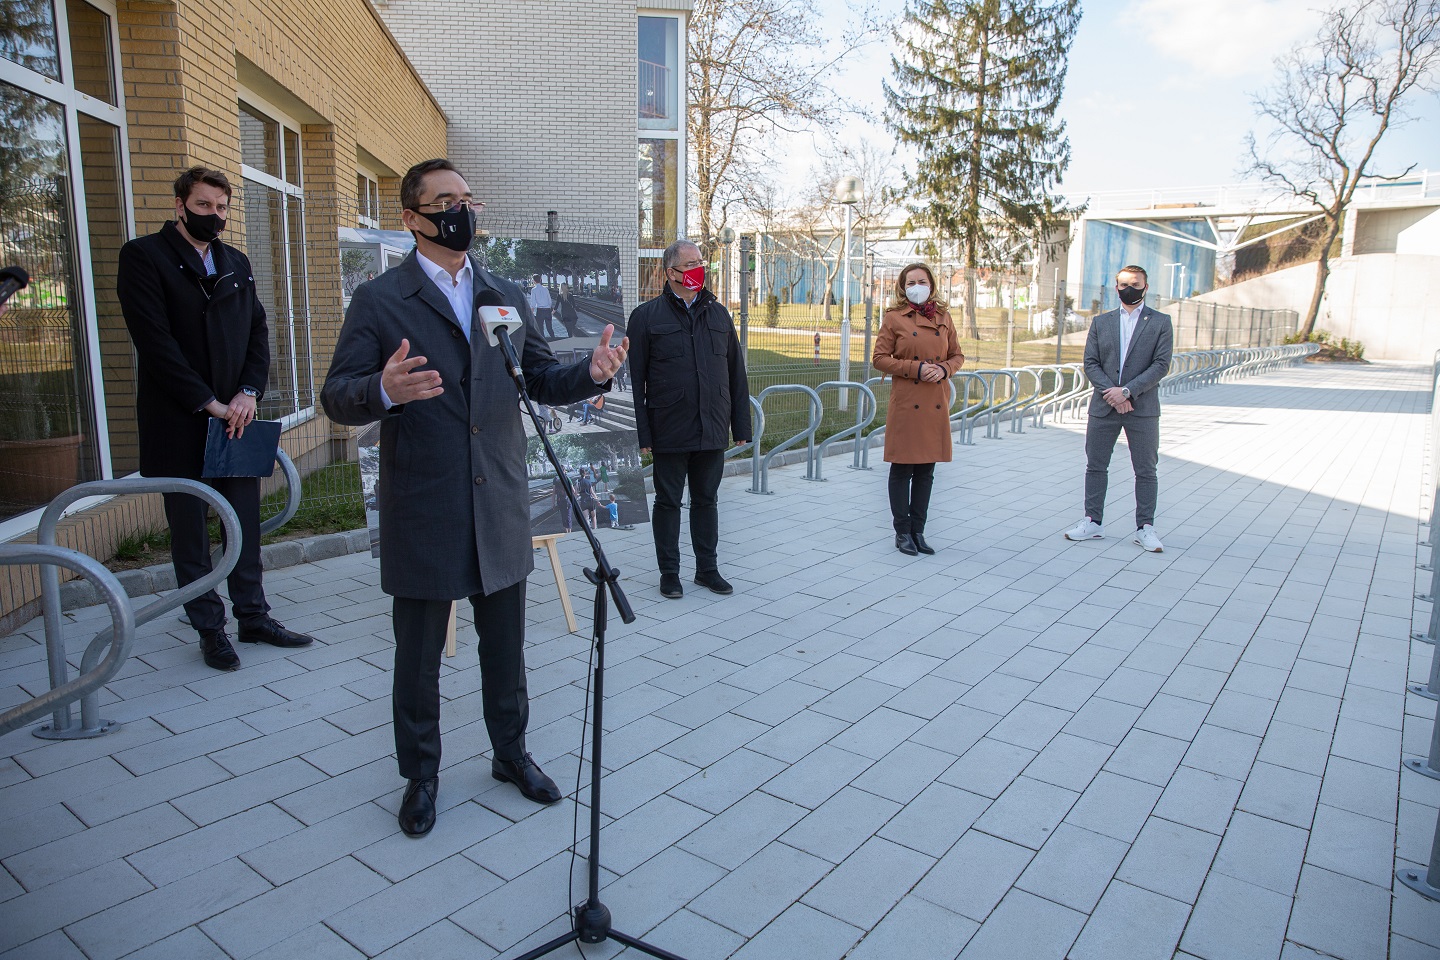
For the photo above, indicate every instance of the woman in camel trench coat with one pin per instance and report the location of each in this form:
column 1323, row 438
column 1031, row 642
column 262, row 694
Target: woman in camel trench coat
column 919, row 349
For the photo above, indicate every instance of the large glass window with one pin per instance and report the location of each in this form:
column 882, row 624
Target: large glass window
column 659, row 78
column 659, row 192
column 90, row 52
column 47, row 433
column 272, row 235
column 107, row 230
column 27, row 35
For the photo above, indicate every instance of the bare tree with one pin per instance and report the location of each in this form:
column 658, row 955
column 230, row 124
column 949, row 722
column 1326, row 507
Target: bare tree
column 1334, row 101
column 755, row 71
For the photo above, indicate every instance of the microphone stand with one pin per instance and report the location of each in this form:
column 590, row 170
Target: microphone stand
column 591, row 918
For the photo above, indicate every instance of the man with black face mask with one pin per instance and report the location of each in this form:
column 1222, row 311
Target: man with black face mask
column 203, row 351
column 1127, row 354
column 453, row 491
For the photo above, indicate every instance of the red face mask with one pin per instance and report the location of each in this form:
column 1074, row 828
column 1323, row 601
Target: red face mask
column 694, row 278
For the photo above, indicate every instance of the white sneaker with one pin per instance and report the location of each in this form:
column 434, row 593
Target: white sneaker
column 1086, row 529
column 1145, row 536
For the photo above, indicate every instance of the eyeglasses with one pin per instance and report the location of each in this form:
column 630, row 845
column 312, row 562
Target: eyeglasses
column 447, row 206
column 688, row 266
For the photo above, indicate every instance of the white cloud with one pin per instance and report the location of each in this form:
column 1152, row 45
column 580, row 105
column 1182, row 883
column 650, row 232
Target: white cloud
column 1223, row 37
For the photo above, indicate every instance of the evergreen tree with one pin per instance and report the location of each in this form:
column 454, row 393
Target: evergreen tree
column 975, row 88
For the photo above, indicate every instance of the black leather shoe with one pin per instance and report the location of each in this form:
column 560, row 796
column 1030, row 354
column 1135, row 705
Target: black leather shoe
column 670, row 586
column 714, row 582
column 273, row 632
column 905, row 543
column 218, row 653
column 529, row 778
column 921, row 545
column 417, row 810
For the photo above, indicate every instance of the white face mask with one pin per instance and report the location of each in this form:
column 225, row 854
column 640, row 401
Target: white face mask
column 917, row 293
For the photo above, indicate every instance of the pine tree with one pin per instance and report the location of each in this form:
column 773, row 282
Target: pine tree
column 975, row 89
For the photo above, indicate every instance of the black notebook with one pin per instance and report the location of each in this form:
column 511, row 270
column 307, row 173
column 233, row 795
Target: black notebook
column 250, row 455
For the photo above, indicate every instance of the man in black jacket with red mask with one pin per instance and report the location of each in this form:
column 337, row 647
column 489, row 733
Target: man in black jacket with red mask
column 203, row 351
column 691, row 397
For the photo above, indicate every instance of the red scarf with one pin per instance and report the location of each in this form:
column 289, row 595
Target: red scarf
column 929, row 309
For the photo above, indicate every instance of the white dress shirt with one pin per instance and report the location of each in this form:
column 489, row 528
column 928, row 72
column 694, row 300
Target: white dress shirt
column 1128, row 319
column 540, row 298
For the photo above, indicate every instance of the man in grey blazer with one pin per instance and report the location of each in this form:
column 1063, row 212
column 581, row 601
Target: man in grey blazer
column 1127, row 354
column 453, row 491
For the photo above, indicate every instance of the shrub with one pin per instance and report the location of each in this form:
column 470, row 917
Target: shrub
column 772, row 310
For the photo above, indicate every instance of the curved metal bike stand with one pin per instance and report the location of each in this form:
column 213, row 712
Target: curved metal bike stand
column 863, row 419
column 762, row 471
column 122, row 628
column 957, row 398
column 292, row 494
column 864, row 443
column 998, row 407
column 63, row 692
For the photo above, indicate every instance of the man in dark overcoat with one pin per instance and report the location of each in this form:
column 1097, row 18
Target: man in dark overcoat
column 691, row 396
column 453, row 488
column 202, row 350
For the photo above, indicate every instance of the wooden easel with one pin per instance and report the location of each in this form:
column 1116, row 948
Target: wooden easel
column 548, row 542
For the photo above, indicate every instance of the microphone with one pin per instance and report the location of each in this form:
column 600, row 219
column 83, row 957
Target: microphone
column 497, row 318
column 12, row 281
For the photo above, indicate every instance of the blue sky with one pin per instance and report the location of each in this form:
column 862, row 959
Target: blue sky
column 1158, row 91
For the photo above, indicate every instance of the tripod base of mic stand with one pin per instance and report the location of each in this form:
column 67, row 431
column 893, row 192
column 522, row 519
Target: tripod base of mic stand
column 592, row 925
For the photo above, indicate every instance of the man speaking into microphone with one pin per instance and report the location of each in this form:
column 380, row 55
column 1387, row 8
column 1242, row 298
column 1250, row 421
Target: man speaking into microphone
column 453, row 491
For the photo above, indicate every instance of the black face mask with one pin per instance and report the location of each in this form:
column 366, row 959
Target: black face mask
column 457, row 228
column 1131, row 295
column 203, row 227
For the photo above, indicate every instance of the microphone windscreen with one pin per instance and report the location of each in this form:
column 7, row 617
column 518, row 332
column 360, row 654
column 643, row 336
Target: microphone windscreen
column 489, row 298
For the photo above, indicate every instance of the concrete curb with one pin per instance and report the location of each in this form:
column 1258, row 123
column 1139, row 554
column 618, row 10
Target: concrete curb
column 273, row 556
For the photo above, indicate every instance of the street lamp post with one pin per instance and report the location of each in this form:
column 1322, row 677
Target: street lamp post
column 727, row 237
column 849, row 191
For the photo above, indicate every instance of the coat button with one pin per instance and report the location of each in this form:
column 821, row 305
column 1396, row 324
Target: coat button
column 479, row 480
column 474, row 430
column 917, row 406
column 937, row 333
column 937, row 406
column 914, row 333
column 454, row 332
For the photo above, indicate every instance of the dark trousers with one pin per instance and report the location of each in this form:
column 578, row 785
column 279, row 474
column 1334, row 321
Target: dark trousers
column 910, row 485
column 1142, row 436
column 190, row 552
column 545, row 317
column 703, row 470
column 420, row 642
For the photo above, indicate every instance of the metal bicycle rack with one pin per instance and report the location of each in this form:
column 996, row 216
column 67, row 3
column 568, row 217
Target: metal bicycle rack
column 761, row 469
column 108, row 649
column 962, row 416
column 864, row 416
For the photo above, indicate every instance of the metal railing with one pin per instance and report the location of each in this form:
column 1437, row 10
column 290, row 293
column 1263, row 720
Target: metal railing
column 760, row 471
column 864, row 416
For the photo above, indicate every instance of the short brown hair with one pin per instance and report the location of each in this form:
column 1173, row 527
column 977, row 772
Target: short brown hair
column 1134, row 269
column 186, row 181
column 900, row 297
column 414, row 180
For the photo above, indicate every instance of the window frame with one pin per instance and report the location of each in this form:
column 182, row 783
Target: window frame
column 679, row 134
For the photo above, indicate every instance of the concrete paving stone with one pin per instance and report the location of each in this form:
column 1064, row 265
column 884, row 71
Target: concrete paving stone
column 879, row 732
column 128, row 926
column 640, row 782
column 1172, row 716
column 701, row 939
column 327, row 841
column 1351, row 844
column 441, row 941
column 997, row 693
column 1214, row 654
column 855, row 699
column 1223, row 752
column 248, row 790
column 1025, row 926
column 1114, row 806
column 1147, row 756
column 458, row 827
column 869, row 882
column 1030, row 725
column 188, row 944
column 328, row 798
column 804, row 934
column 1195, row 683
column 916, row 929
column 1069, row 761
column 1132, row 686
column 84, row 850
column 988, row 768
column 704, row 705
column 974, row 875
column 1241, row 712
column 1066, row 690
column 1361, row 789
column 1105, row 721
column 933, row 821
column 1154, row 657
column 746, row 828
column 760, row 889
column 529, row 909
column 209, row 846
column 1264, row 852
column 1322, row 678
column 1170, row 859
column 1235, row 920
column 1385, row 708
column 1296, row 747
column 1027, row 812
column 721, row 784
column 904, row 772
column 521, row 847
column 1366, row 743
column 26, row 918
column 270, row 918
column 1279, row 793
column 405, row 908
column 644, row 897
column 956, row 729
column 1341, row 916
column 816, row 777
column 1314, row 711
column 927, row 697
column 795, row 738
column 1131, row 923
column 1403, row 948
column 1073, row 868
column 264, row 751
column 315, row 941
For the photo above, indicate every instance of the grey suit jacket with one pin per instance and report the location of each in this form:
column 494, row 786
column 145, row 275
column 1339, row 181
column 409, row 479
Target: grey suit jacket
column 1144, row 367
column 453, row 493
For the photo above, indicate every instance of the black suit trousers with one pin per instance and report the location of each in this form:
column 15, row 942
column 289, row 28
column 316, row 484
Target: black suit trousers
column 190, row 552
column 420, row 643
column 703, row 469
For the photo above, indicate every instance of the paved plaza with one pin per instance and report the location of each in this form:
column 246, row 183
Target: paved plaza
column 1018, row 749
